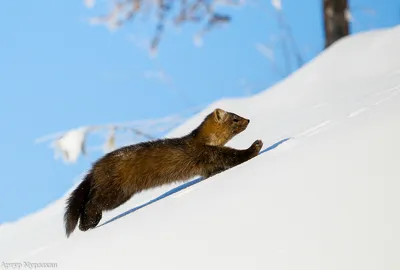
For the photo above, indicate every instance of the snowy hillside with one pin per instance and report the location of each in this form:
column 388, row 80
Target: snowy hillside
column 324, row 193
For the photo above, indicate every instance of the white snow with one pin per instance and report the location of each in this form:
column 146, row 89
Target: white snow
column 71, row 144
column 277, row 4
column 89, row 3
column 325, row 198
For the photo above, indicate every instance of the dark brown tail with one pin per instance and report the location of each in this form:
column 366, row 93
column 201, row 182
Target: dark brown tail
column 76, row 204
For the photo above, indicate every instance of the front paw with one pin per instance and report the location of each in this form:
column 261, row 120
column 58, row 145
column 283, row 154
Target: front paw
column 256, row 146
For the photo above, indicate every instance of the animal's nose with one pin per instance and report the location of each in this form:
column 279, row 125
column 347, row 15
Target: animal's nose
column 248, row 121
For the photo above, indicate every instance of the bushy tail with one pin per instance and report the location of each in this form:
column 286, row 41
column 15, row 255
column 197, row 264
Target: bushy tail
column 76, row 204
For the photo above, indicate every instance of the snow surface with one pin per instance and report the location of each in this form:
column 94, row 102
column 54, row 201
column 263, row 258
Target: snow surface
column 323, row 194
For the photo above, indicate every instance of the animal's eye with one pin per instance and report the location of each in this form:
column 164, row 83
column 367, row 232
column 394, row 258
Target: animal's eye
column 235, row 120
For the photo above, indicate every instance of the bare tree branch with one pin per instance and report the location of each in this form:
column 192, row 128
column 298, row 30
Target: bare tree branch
column 179, row 12
column 73, row 143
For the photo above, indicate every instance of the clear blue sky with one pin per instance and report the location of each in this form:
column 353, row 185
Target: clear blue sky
column 57, row 72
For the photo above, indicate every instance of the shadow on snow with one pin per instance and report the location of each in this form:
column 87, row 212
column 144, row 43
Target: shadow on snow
column 179, row 188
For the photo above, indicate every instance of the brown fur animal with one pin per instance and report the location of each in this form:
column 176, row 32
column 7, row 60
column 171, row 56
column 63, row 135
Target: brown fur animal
column 120, row 174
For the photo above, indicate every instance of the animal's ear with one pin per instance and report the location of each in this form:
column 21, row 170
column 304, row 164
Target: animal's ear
column 220, row 115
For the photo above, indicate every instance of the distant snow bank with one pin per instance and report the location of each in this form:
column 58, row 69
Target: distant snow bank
column 325, row 196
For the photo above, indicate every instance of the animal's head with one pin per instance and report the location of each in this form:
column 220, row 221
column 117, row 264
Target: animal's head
column 221, row 126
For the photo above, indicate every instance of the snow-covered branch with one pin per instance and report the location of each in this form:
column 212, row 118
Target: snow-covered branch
column 178, row 12
column 71, row 144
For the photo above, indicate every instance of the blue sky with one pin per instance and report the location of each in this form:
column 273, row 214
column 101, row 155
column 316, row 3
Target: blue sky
column 57, row 72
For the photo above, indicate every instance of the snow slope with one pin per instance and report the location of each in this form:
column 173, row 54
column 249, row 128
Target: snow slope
column 325, row 195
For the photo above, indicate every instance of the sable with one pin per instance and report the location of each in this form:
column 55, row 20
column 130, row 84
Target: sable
column 118, row 175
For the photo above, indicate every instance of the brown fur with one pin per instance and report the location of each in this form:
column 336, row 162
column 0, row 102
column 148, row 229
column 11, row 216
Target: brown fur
column 120, row 174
